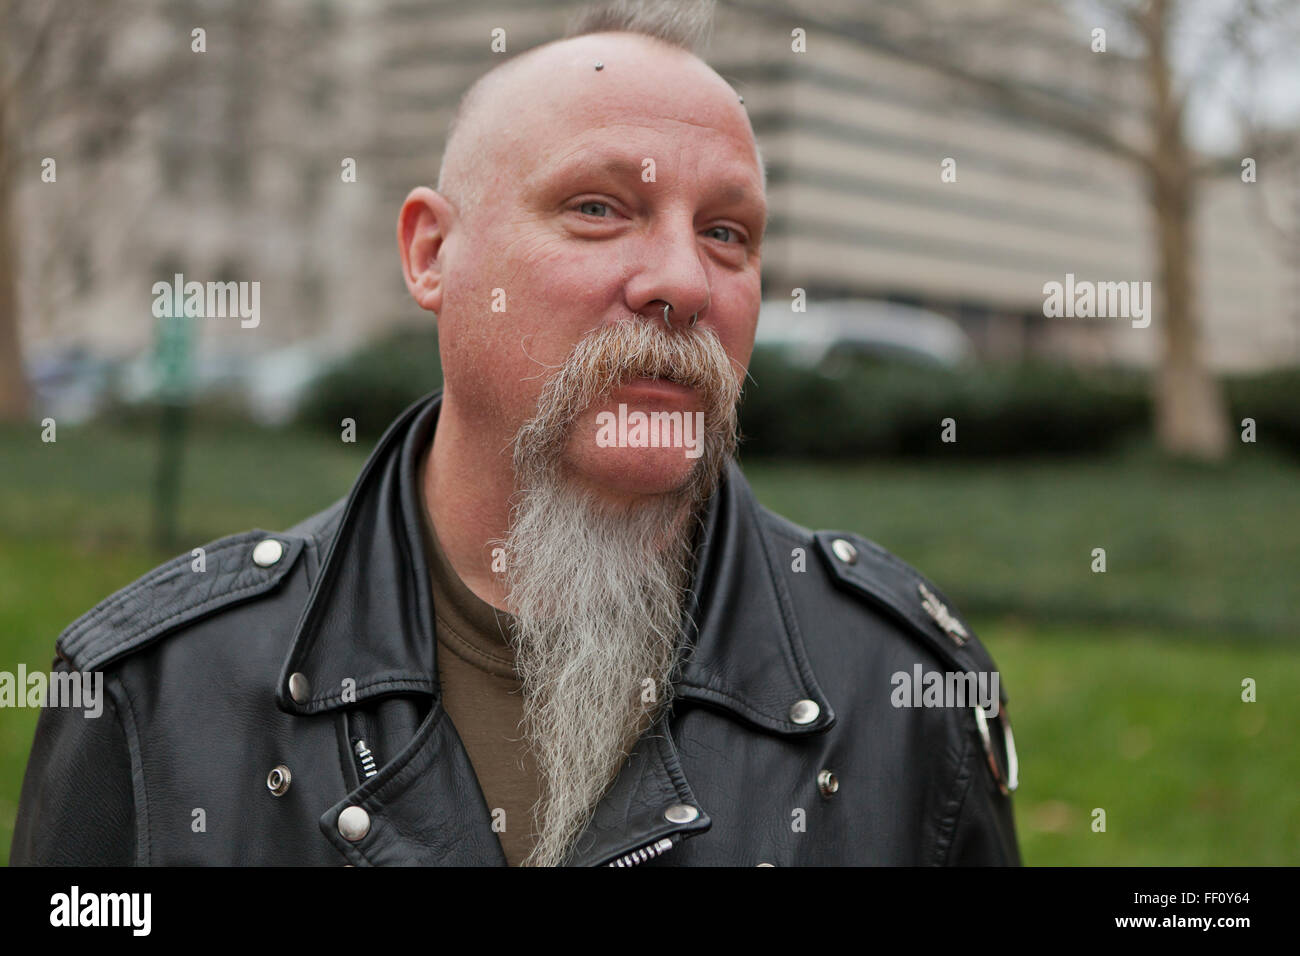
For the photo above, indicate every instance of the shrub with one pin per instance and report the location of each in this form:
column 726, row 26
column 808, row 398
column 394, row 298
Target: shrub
column 375, row 384
column 873, row 408
column 1273, row 400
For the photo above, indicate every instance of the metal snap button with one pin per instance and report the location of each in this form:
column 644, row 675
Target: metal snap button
column 804, row 711
column 299, row 687
column 267, row 552
column 827, row 783
column 278, row 780
column 844, row 551
column 354, row 824
column 681, row 813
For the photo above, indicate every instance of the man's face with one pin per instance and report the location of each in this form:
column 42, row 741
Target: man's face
column 571, row 234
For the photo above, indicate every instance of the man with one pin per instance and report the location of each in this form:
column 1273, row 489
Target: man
column 550, row 624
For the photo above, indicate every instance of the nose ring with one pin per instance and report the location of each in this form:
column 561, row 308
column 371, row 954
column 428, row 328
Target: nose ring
column 694, row 318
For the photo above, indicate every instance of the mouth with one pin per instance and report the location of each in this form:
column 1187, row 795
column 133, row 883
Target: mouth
column 653, row 386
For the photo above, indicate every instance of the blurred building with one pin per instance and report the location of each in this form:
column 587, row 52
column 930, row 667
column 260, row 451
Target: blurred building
column 237, row 172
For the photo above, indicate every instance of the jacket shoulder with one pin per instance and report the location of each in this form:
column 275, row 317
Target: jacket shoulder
column 228, row 571
column 895, row 588
column 859, row 567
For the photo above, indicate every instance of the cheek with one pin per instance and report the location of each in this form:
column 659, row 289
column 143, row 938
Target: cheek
column 737, row 338
column 558, row 290
column 740, row 348
column 737, row 326
column 514, row 312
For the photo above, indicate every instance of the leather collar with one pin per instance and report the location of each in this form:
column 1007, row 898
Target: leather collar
column 368, row 630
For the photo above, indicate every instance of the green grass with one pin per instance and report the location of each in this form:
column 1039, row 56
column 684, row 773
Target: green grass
column 1125, row 686
column 95, row 485
column 1156, row 734
column 1197, row 551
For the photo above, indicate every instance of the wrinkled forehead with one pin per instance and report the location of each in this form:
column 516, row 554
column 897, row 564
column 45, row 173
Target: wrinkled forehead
column 646, row 98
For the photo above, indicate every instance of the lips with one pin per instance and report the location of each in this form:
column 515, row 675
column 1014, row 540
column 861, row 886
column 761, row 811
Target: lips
column 661, row 386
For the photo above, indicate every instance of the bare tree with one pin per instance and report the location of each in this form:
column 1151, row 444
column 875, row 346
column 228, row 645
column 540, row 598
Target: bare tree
column 966, row 43
column 72, row 82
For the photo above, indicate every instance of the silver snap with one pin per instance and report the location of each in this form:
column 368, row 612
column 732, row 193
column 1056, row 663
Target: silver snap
column 267, row 552
column 765, row 864
column 844, row 551
column 804, row 711
column 299, row 687
column 681, row 813
column 354, row 824
column 827, row 783
column 278, row 780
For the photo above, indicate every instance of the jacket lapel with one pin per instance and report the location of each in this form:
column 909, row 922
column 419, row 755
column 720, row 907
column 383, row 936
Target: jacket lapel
column 642, row 806
column 743, row 654
column 367, row 629
column 745, row 651
column 424, row 806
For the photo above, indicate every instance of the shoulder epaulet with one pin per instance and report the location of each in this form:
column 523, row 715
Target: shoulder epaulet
column 897, row 589
column 234, row 569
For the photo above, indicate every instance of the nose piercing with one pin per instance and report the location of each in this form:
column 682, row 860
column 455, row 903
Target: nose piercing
column 694, row 318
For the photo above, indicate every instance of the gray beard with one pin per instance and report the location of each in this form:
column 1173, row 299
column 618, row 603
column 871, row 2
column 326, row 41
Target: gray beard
column 597, row 607
column 597, row 591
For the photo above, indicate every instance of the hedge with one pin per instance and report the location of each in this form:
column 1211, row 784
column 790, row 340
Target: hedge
column 868, row 408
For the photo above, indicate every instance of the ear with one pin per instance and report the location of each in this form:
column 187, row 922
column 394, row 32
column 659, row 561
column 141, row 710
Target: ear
column 422, row 225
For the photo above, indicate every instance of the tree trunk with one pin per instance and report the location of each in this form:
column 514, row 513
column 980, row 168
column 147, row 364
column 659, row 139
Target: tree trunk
column 13, row 380
column 1191, row 416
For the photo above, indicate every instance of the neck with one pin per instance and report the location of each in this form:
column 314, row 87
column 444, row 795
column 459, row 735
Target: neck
column 467, row 489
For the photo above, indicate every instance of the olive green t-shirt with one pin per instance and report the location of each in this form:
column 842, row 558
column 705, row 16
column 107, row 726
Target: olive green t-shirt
column 484, row 699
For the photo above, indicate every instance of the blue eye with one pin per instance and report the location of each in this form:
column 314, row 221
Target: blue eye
column 726, row 229
column 582, row 207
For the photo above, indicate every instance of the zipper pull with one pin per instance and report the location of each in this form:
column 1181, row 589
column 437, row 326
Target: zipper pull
column 649, row 852
column 365, row 758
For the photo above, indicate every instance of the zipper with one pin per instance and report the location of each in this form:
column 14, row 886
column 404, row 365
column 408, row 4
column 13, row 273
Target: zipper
column 648, row 852
column 365, row 759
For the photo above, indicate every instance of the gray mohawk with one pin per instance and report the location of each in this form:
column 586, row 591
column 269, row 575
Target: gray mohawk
column 681, row 23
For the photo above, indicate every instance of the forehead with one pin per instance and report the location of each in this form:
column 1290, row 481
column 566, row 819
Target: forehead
column 647, row 101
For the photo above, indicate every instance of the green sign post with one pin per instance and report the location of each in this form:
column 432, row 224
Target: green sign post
column 173, row 362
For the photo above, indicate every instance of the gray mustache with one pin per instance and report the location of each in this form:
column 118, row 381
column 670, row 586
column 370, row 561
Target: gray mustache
column 629, row 351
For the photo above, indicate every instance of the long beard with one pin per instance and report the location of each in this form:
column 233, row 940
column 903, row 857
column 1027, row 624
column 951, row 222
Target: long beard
column 597, row 590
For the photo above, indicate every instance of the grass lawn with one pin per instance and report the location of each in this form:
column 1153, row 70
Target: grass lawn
column 1155, row 733
column 1124, row 686
column 1201, row 552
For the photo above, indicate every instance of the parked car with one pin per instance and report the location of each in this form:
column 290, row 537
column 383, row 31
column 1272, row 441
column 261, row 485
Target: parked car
column 833, row 331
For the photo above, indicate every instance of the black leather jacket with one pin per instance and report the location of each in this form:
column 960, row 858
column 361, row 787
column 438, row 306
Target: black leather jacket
column 316, row 656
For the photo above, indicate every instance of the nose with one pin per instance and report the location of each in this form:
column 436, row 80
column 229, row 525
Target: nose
column 670, row 282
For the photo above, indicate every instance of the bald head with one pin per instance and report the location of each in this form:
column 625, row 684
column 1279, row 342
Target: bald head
column 498, row 114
